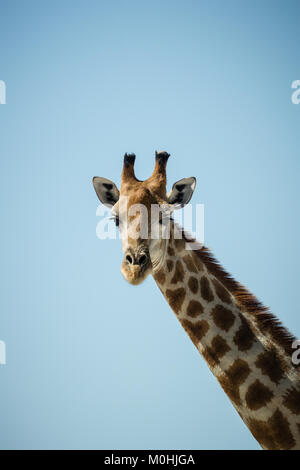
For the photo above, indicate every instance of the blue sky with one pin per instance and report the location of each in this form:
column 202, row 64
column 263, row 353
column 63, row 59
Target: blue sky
column 93, row 362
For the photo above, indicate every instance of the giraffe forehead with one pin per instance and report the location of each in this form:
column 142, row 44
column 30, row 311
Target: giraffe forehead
column 139, row 195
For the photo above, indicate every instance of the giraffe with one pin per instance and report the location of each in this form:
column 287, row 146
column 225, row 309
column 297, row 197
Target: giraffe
column 243, row 344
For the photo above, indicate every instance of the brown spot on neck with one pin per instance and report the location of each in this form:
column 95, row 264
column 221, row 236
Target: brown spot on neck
column 238, row 372
column 160, row 277
column 221, row 292
column 188, row 260
column 206, row 291
column 179, row 273
column 175, row 298
column 170, row 265
column 244, row 338
column 223, row 317
column 170, row 250
column 193, row 284
column 258, row 395
column 194, row 309
column 270, row 365
column 196, row 331
column 218, row 348
column 179, row 244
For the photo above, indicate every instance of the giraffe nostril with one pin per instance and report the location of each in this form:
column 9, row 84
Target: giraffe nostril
column 142, row 259
column 129, row 259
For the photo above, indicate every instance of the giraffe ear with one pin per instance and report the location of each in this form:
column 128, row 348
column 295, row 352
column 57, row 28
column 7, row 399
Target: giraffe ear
column 106, row 191
column 181, row 192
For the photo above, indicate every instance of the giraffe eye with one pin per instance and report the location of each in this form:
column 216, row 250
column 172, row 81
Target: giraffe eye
column 116, row 219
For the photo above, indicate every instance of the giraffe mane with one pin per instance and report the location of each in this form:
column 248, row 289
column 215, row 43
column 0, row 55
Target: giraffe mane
column 267, row 321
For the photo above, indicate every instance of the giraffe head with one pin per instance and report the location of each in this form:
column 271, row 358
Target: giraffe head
column 141, row 210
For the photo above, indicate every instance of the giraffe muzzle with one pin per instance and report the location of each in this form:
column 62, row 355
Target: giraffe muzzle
column 136, row 266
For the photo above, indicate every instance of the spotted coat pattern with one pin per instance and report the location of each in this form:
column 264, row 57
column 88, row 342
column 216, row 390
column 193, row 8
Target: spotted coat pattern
column 249, row 363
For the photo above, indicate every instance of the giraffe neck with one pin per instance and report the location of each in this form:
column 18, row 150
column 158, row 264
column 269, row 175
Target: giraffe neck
column 248, row 352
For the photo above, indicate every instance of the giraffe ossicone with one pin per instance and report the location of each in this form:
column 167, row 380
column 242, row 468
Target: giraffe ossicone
column 244, row 345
